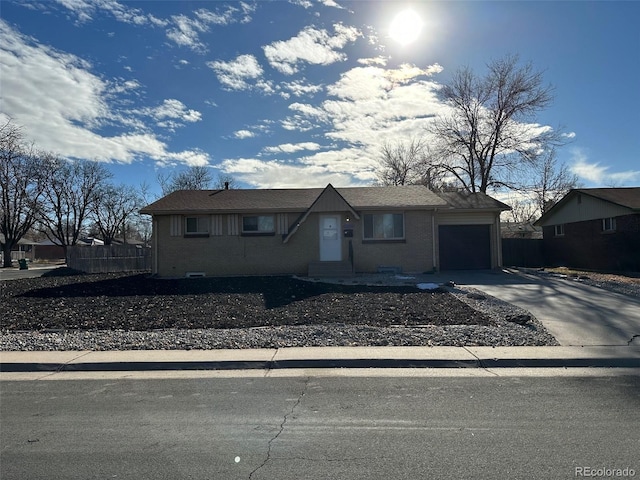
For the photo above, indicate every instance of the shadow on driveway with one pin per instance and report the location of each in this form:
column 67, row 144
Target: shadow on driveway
column 575, row 313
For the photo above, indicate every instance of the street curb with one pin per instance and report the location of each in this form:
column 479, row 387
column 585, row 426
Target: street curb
column 22, row 367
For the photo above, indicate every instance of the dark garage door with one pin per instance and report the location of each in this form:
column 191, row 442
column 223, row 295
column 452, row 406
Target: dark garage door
column 465, row 247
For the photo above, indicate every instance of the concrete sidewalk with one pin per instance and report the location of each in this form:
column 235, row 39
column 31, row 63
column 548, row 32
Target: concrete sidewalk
column 321, row 357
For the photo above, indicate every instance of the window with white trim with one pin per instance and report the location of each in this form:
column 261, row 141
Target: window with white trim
column 196, row 226
column 383, row 226
column 609, row 224
column 258, row 224
column 558, row 230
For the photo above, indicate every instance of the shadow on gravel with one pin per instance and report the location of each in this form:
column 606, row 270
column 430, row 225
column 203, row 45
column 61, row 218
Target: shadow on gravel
column 277, row 291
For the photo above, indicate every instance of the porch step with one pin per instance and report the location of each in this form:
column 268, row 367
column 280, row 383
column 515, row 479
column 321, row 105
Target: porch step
column 330, row 269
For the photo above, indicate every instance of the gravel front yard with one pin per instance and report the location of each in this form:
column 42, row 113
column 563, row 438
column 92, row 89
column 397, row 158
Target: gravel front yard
column 120, row 311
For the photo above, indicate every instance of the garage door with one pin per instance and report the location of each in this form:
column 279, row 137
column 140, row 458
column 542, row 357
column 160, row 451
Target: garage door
column 465, row 247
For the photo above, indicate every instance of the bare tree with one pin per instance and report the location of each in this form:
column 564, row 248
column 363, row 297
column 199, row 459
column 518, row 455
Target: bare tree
column 490, row 134
column 112, row 208
column 548, row 183
column 407, row 163
column 71, row 191
column 194, row 178
column 551, row 181
column 21, row 185
column 225, row 182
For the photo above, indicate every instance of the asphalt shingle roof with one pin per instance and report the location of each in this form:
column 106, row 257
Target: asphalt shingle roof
column 408, row 196
column 627, row 197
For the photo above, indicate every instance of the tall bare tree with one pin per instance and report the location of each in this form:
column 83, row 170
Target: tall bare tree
column 72, row 189
column 112, row 208
column 490, row 135
column 407, row 163
column 548, row 181
column 551, row 181
column 21, row 185
column 194, row 178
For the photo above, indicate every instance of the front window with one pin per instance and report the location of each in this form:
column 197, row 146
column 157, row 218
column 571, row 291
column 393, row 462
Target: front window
column 608, row 224
column 196, row 226
column 384, row 226
column 258, row 224
column 558, row 230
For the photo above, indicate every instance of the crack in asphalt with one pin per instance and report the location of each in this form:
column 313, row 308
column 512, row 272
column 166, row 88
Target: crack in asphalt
column 282, row 426
column 632, row 339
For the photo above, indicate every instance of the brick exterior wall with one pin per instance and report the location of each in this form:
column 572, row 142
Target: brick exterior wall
column 219, row 255
column 585, row 245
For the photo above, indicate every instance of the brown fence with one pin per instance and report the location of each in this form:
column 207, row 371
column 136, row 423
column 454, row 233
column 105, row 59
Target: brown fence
column 522, row 252
column 109, row 258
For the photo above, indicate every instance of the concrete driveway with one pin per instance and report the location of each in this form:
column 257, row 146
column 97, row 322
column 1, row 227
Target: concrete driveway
column 575, row 313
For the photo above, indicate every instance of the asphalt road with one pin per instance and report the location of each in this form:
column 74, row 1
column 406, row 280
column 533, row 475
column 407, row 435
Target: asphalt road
column 319, row 427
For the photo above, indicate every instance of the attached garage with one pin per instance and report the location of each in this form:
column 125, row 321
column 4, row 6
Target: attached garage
column 465, row 247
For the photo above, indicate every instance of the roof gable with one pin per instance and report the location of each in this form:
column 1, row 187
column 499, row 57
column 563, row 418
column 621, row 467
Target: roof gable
column 328, row 201
column 584, row 204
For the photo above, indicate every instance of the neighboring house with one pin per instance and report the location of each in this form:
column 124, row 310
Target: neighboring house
column 23, row 249
column 594, row 228
column 52, row 250
column 520, row 230
column 323, row 231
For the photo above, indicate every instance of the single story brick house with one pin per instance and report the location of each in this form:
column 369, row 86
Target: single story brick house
column 330, row 231
column 594, row 228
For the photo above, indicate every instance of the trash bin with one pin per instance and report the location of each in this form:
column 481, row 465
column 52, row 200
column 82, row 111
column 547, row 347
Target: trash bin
column 23, row 264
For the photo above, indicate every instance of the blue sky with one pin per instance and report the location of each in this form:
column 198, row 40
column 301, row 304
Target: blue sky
column 302, row 93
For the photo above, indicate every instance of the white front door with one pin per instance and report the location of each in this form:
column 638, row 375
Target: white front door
column 330, row 239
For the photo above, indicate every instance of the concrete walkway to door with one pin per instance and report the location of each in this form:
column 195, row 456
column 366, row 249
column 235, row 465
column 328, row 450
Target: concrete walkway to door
column 575, row 313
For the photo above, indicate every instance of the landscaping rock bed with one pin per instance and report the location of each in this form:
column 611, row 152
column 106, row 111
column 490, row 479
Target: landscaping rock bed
column 120, row 312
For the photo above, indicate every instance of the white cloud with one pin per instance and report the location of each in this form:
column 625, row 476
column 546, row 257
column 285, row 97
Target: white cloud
column 292, row 147
column 85, row 10
column 186, row 31
column 173, row 108
column 299, row 89
column 312, row 46
column 379, row 60
column 274, row 174
column 236, row 73
column 302, row 3
column 367, row 107
column 242, row 134
column 599, row 175
column 172, row 114
column 61, row 105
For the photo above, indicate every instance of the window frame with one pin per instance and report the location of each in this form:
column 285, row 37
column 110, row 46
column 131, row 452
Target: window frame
column 612, row 224
column 558, row 230
column 258, row 232
column 373, row 238
column 202, row 223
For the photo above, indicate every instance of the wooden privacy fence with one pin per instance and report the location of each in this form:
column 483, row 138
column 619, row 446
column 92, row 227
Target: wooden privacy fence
column 523, row 252
column 109, row 258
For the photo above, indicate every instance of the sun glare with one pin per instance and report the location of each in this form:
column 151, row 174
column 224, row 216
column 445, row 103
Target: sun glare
column 405, row 27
